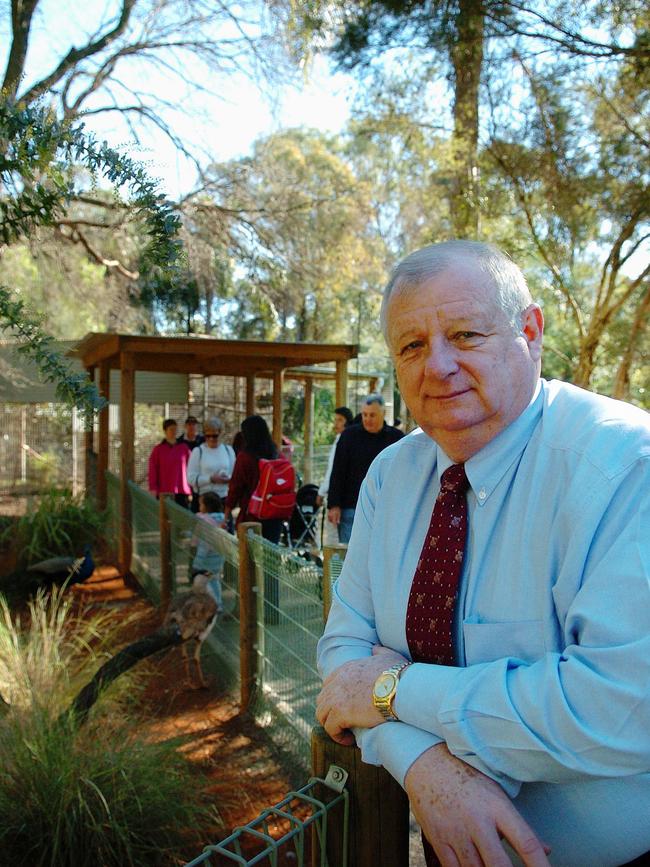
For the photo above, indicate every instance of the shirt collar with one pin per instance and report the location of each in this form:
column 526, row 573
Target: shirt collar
column 486, row 468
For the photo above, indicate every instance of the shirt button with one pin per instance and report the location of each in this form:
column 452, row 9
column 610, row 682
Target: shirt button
column 482, row 494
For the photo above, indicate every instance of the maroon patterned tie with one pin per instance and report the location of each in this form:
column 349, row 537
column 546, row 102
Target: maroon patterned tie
column 432, row 601
column 430, row 611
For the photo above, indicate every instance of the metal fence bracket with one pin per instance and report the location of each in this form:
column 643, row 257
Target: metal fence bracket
column 336, row 778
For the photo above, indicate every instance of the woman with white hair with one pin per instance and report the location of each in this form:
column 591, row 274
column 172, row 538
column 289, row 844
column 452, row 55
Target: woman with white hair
column 211, row 464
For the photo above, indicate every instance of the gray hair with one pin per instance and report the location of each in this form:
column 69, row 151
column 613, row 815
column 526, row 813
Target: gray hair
column 375, row 398
column 511, row 291
column 213, row 423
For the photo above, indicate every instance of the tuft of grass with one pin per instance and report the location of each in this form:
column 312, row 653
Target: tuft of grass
column 99, row 794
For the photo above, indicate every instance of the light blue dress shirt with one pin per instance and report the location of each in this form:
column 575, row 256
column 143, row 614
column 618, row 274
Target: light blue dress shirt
column 553, row 618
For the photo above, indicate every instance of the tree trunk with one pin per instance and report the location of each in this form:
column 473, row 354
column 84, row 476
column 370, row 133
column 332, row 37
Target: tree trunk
column 639, row 325
column 467, row 60
column 21, row 20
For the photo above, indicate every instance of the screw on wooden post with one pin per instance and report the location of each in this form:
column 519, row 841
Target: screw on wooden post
column 329, row 553
column 248, row 638
column 165, row 557
column 378, row 833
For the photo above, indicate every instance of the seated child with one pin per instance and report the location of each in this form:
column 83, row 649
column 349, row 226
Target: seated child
column 206, row 560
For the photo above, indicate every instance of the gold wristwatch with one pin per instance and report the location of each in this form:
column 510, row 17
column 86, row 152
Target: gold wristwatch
column 385, row 689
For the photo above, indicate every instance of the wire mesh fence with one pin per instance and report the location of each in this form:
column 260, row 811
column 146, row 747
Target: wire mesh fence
column 187, row 531
column 41, row 446
column 289, row 593
column 289, row 624
column 293, row 831
column 145, row 533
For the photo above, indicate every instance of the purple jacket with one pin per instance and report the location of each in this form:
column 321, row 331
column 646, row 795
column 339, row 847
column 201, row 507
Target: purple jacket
column 168, row 469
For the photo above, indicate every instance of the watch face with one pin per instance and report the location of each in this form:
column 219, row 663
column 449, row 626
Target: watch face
column 384, row 685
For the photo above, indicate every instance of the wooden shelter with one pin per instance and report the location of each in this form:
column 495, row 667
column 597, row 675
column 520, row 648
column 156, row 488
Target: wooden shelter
column 198, row 355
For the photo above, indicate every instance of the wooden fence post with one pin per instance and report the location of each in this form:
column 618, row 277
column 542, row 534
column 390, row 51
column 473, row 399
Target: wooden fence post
column 165, row 557
column 329, row 552
column 378, row 831
column 247, row 616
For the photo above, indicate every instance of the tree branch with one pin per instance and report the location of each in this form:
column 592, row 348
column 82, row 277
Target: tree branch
column 76, row 54
column 77, row 237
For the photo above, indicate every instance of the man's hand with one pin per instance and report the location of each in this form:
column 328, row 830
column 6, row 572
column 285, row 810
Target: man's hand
column 345, row 700
column 334, row 515
column 464, row 814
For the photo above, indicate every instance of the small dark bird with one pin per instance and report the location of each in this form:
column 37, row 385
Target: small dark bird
column 56, row 570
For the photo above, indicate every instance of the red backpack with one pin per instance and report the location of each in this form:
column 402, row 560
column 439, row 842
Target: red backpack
column 274, row 495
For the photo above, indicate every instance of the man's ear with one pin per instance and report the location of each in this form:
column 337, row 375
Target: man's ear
column 533, row 330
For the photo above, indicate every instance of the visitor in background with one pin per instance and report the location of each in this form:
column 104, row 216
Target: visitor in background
column 168, row 466
column 206, row 560
column 211, row 463
column 342, row 419
column 257, row 444
column 357, row 448
column 238, row 442
column 192, row 438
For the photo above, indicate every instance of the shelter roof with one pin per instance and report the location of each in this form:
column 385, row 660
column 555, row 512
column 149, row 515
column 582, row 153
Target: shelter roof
column 205, row 355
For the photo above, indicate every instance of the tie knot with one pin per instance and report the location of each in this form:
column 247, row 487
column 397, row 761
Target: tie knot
column 454, row 479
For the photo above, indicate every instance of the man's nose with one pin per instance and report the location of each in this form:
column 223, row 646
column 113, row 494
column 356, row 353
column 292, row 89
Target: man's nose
column 441, row 360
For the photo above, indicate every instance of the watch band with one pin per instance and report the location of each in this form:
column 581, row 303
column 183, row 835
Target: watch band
column 384, row 703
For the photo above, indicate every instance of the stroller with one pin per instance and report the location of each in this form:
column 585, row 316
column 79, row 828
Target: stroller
column 301, row 530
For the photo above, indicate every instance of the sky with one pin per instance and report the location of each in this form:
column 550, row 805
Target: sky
column 224, row 123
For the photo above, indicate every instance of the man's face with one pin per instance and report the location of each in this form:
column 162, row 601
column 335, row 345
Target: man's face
column 463, row 371
column 190, row 430
column 170, row 433
column 372, row 417
column 339, row 423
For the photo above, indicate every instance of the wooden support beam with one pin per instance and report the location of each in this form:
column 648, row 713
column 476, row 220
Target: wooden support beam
column 127, row 456
column 102, row 448
column 89, row 448
column 308, row 432
column 248, row 638
column 379, row 809
column 278, row 382
column 330, row 552
column 342, row 383
column 250, row 394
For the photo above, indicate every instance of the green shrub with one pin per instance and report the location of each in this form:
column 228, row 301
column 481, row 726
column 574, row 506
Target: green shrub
column 95, row 795
column 61, row 524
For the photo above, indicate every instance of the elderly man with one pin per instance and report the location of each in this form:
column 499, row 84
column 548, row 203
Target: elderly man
column 489, row 639
column 356, row 449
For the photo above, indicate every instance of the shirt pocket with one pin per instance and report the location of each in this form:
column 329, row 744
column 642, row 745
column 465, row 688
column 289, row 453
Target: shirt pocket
column 521, row 639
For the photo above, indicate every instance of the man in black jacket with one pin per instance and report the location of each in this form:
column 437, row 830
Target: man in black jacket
column 357, row 448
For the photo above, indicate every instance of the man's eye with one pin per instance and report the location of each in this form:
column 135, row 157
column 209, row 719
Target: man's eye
column 414, row 344
column 466, row 335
